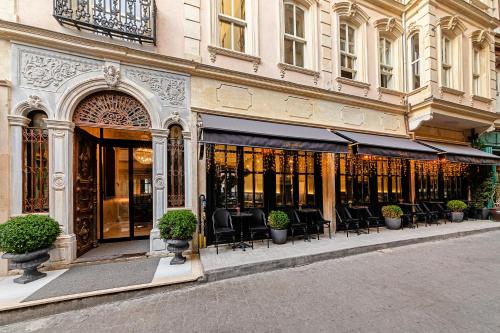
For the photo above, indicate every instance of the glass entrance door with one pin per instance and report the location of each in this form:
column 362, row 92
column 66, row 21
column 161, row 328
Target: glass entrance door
column 126, row 204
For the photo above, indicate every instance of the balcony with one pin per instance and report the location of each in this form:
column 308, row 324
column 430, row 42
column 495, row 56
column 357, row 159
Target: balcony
column 133, row 20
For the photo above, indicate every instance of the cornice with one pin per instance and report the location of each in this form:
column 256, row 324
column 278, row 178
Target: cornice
column 467, row 10
column 87, row 47
column 5, row 83
column 457, row 109
column 392, row 6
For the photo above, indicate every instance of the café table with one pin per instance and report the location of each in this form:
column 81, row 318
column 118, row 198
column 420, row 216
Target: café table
column 242, row 218
column 306, row 216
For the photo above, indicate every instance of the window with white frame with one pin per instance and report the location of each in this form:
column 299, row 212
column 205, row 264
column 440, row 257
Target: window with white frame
column 415, row 61
column 386, row 63
column 476, row 72
column 348, row 59
column 232, row 24
column 446, row 62
column 294, row 36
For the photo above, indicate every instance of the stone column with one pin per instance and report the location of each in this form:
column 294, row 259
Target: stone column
column 16, row 123
column 328, row 175
column 189, row 177
column 61, row 187
column 160, row 151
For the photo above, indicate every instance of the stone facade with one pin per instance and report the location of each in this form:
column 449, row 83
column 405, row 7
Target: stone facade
column 52, row 67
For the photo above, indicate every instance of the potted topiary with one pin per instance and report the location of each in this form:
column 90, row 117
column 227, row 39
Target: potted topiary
column 457, row 208
column 26, row 241
column 177, row 228
column 278, row 222
column 392, row 215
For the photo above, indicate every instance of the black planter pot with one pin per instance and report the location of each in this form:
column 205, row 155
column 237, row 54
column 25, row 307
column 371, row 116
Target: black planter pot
column 177, row 246
column 29, row 263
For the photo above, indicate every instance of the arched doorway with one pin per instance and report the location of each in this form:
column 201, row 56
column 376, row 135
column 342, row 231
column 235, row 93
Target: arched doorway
column 112, row 170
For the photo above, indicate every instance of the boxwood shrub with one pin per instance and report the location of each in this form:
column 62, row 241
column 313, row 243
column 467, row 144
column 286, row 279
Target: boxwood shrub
column 177, row 224
column 392, row 211
column 28, row 233
column 278, row 220
column 456, row 206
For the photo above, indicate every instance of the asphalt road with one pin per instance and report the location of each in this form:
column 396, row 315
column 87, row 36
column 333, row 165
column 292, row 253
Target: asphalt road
column 448, row 286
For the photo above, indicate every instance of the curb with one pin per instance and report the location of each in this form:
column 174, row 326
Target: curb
column 271, row 265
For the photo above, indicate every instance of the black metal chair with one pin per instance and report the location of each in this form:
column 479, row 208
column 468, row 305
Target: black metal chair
column 373, row 220
column 296, row 224
column 259, row 226
column 407, row 217
column 420, row 215
column 345, row 219
column 433, row 214
column 223, row 226
column 444, row 213
column 319, row 221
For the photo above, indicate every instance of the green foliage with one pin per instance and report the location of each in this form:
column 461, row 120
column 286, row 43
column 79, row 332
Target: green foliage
column 177, row 224
column 392, row 211
column 483, row 187
column 456, row 206
column 278, row 220
column 28, row 233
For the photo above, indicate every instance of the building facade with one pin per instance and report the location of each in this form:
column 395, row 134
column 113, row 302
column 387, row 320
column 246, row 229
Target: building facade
column 113, row 112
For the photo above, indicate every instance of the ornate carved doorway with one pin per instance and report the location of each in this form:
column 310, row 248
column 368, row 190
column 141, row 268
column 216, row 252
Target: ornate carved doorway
column 112, row 170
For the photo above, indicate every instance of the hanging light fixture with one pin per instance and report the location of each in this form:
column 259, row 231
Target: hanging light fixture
column 144, row 155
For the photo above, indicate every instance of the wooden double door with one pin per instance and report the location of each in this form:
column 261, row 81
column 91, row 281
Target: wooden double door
column 112, row 190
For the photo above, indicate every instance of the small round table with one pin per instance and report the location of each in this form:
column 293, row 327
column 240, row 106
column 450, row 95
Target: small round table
column 241, row 217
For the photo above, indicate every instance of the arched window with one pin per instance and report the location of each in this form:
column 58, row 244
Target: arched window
column 175, row 183
column 35, row 164
column 415, row 61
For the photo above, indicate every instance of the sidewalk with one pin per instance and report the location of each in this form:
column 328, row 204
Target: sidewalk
column 229, row 263
column 89, row 280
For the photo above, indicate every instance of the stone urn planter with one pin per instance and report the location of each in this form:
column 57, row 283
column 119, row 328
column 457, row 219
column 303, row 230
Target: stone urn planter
column 278, row 222
column 393, row 223
column 177, row 228
column 457, row 216
column 495, row 214
column 279, row 236
column 484, row 213
column 26, row 241
column 29, row 263
column 392, row 215
column 177, row 246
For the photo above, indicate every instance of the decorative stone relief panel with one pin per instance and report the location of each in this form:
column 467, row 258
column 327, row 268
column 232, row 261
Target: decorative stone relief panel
column 390, row 122
column 352, row 116
column 234, row 97
column 170, row 89
column 49, row 70
column 299, row 107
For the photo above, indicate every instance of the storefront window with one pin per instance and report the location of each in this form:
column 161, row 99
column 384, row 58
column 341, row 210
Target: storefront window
column 306, row 179
column 36, row 167
column 284, row 162
column 253, row 178
column 226, row 176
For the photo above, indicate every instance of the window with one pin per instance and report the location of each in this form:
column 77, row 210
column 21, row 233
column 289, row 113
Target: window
column 294, row 35
column 446, row 54
column 253, row 178
column 386, row 63
column 415, row 61
column 35, row 165
column 284, row 162
column 476, row 72
column 348, row 58
column 175, row 183
column 226, row 176
column 306, row 179
column 232, row 24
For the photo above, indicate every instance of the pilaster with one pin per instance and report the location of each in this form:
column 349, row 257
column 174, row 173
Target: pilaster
column 160, row 151
column 16, row 124
column 61, row 186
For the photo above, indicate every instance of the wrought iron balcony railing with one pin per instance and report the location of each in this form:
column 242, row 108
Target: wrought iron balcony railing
column 128, row 19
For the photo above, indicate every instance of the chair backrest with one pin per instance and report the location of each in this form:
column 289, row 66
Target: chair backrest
column 320, row 215
column 295, row 217
column 347, row 213
column 424, row 204
column 258, row 217
column 222, row 219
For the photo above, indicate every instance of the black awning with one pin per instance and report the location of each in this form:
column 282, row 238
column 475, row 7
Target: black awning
column 383, row 145
column 462, row 153
column 263, row 134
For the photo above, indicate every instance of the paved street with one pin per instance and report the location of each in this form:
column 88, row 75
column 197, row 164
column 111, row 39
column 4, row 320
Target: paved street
column 448, row 286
